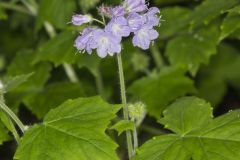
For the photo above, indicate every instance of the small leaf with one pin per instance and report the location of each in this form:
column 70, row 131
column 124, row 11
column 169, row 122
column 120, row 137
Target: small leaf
column 213, row 139
column 157, row 91
column 123, row 125
column 75, row 130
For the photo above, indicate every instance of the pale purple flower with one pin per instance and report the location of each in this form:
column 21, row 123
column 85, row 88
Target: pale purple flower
column 135, row 21
column 144, row 36
column 105, row 43
column 135, row 5
column 82, row 43
column 151, row 16
column 118, row 27
column 118, row 11
column 79, row 19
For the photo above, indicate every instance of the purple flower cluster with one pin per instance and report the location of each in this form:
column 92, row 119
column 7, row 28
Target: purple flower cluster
column 133, row 16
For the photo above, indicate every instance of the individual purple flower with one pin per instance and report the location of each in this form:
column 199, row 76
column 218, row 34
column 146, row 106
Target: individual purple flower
column 105, row 43
column 82, row 43
column 79, row 19
column 135, row 6
column 118, row 11
column 135, row 21
column 152, row 19
column 144, row 36
column 118, row 27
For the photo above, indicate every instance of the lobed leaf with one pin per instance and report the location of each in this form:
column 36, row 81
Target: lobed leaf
column 74, row 130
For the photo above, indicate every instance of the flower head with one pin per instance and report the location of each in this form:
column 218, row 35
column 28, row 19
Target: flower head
column 118, row 27
column 105, row 43
column 144, row 36
column 133, row 16
column 79, row 19
column 135, row 6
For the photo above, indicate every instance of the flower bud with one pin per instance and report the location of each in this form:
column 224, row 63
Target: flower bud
column 79, row 19
column 137, row 112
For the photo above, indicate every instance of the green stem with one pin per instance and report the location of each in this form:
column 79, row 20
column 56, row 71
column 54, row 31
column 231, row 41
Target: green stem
column 99, row 82
column 14, row 7
column 70, row 73
column 135, row 139
column 157, row 57
column 5, row 108
column 152, row 130
column 125, row 107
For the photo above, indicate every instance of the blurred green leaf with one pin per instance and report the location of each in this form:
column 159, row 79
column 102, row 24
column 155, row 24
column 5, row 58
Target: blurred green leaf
column 59, row 50
column 231, row 23
column 56, row 12
column 75, row 130
column 221, row 71
column 3, row 134
column 52, row 95
column 158, row 90
column 13, row 82
column 175, row 20
column 123, row 125
column 23, row 64
column 197, row 136
column 210, row 9
column 87, row 4
column 3, row 14
column 192, row 50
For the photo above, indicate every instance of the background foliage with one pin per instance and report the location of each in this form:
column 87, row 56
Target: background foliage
column 197, row 55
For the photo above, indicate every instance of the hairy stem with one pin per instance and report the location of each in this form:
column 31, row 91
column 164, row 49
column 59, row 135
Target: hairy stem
column 125, row 107
column 10, row 113
column 135, row 139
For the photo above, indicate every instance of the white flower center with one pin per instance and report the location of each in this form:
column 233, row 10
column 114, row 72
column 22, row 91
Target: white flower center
column 104, row 41
column 142, row 34
column 116, row 28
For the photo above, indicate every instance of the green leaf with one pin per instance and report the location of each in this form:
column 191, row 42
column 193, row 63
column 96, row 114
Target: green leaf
column 175, row 20
column 14, row 82
column 52, row 95
column 158, row 90
column 192, row 50
column 87, row 4
column 57, row 12
column 177, row 116
column 3, row 134
column 217, row 138
column 231, row 23
column 58, row 50
column 75, row 130
column 23, row 64
column 210, row 9
column 220, row 73
column 123, row 125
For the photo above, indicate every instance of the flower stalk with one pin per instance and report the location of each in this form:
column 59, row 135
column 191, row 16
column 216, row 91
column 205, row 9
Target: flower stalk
column 125, row 107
